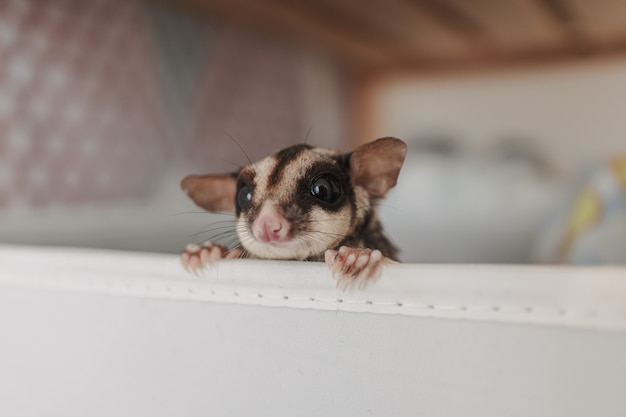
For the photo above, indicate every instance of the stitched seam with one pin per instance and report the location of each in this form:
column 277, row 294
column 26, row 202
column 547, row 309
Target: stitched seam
column 256, row 298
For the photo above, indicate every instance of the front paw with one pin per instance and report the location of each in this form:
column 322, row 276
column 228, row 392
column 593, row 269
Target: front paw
column 196, row 257
column 354, row 265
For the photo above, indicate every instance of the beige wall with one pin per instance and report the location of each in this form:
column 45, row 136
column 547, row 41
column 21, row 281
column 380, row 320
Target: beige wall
column 573, row 113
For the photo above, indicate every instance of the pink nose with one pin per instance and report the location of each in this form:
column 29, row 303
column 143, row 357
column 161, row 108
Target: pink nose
column 270, row 226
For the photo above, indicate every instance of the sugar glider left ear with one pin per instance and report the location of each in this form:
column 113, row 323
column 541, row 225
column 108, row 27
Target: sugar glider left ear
column 375, row 166
column 212, row 192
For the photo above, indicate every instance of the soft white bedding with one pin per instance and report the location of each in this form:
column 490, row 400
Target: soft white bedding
column 88, row 332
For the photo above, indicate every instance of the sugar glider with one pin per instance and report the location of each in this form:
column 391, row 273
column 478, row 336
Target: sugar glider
column 305, row 203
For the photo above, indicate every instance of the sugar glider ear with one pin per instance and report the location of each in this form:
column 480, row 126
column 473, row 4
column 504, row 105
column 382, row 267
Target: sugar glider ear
column 211, row 192
column 375, row 166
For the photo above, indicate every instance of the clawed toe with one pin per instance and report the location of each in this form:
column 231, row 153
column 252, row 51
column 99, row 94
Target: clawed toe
column 196, row 257
column 354, row 265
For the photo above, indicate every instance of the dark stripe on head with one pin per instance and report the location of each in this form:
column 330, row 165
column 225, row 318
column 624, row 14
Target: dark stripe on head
column 343, row 161
column 283, row 158
column 247, row 175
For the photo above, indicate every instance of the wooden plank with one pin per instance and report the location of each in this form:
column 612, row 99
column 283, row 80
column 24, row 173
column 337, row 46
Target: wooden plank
column 603, row 22
column 563, row 14
column 276, row 18
column 425, row 35
column 435, row 36
column 404, row 30
column 515, row 26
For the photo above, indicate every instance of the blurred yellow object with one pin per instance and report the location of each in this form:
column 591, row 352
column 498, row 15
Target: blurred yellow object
column 593, row 229
column 585, row 213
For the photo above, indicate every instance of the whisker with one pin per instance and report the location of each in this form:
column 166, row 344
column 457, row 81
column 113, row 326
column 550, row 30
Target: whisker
column 232, row 163
column 213, row 236
column 237, row 241
column 223, row 223
column 391, row 207
column 310, row 232
column 246, row 239
column 201, row 212
column 240, row 147
column 231, row 244
column 306, row 138
column 217, row 226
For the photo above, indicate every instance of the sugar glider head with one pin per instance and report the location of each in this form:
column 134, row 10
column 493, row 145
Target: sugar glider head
column 302, row 200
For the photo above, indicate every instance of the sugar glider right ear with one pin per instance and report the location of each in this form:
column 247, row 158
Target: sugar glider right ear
column 212, row 192
column 376, row 165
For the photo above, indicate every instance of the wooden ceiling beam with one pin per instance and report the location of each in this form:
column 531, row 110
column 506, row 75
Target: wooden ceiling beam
column 386, row 25
column 423, row 35
column 350, row 17
column 513, row 26
column 601, row 22
column 433, row 35
column 562, row 14
column 276, row 18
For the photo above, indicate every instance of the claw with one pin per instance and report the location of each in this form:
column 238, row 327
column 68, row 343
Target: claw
column 354, row 265
column 196, row 257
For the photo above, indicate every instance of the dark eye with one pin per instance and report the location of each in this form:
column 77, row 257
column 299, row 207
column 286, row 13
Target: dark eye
column 244, row 195
column 326, row 187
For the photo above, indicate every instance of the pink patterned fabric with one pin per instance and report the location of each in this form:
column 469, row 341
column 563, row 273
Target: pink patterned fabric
column 80, row 111
column 84, row 114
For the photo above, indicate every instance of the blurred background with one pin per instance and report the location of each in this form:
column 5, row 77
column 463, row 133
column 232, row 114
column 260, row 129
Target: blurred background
column 513, row 111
